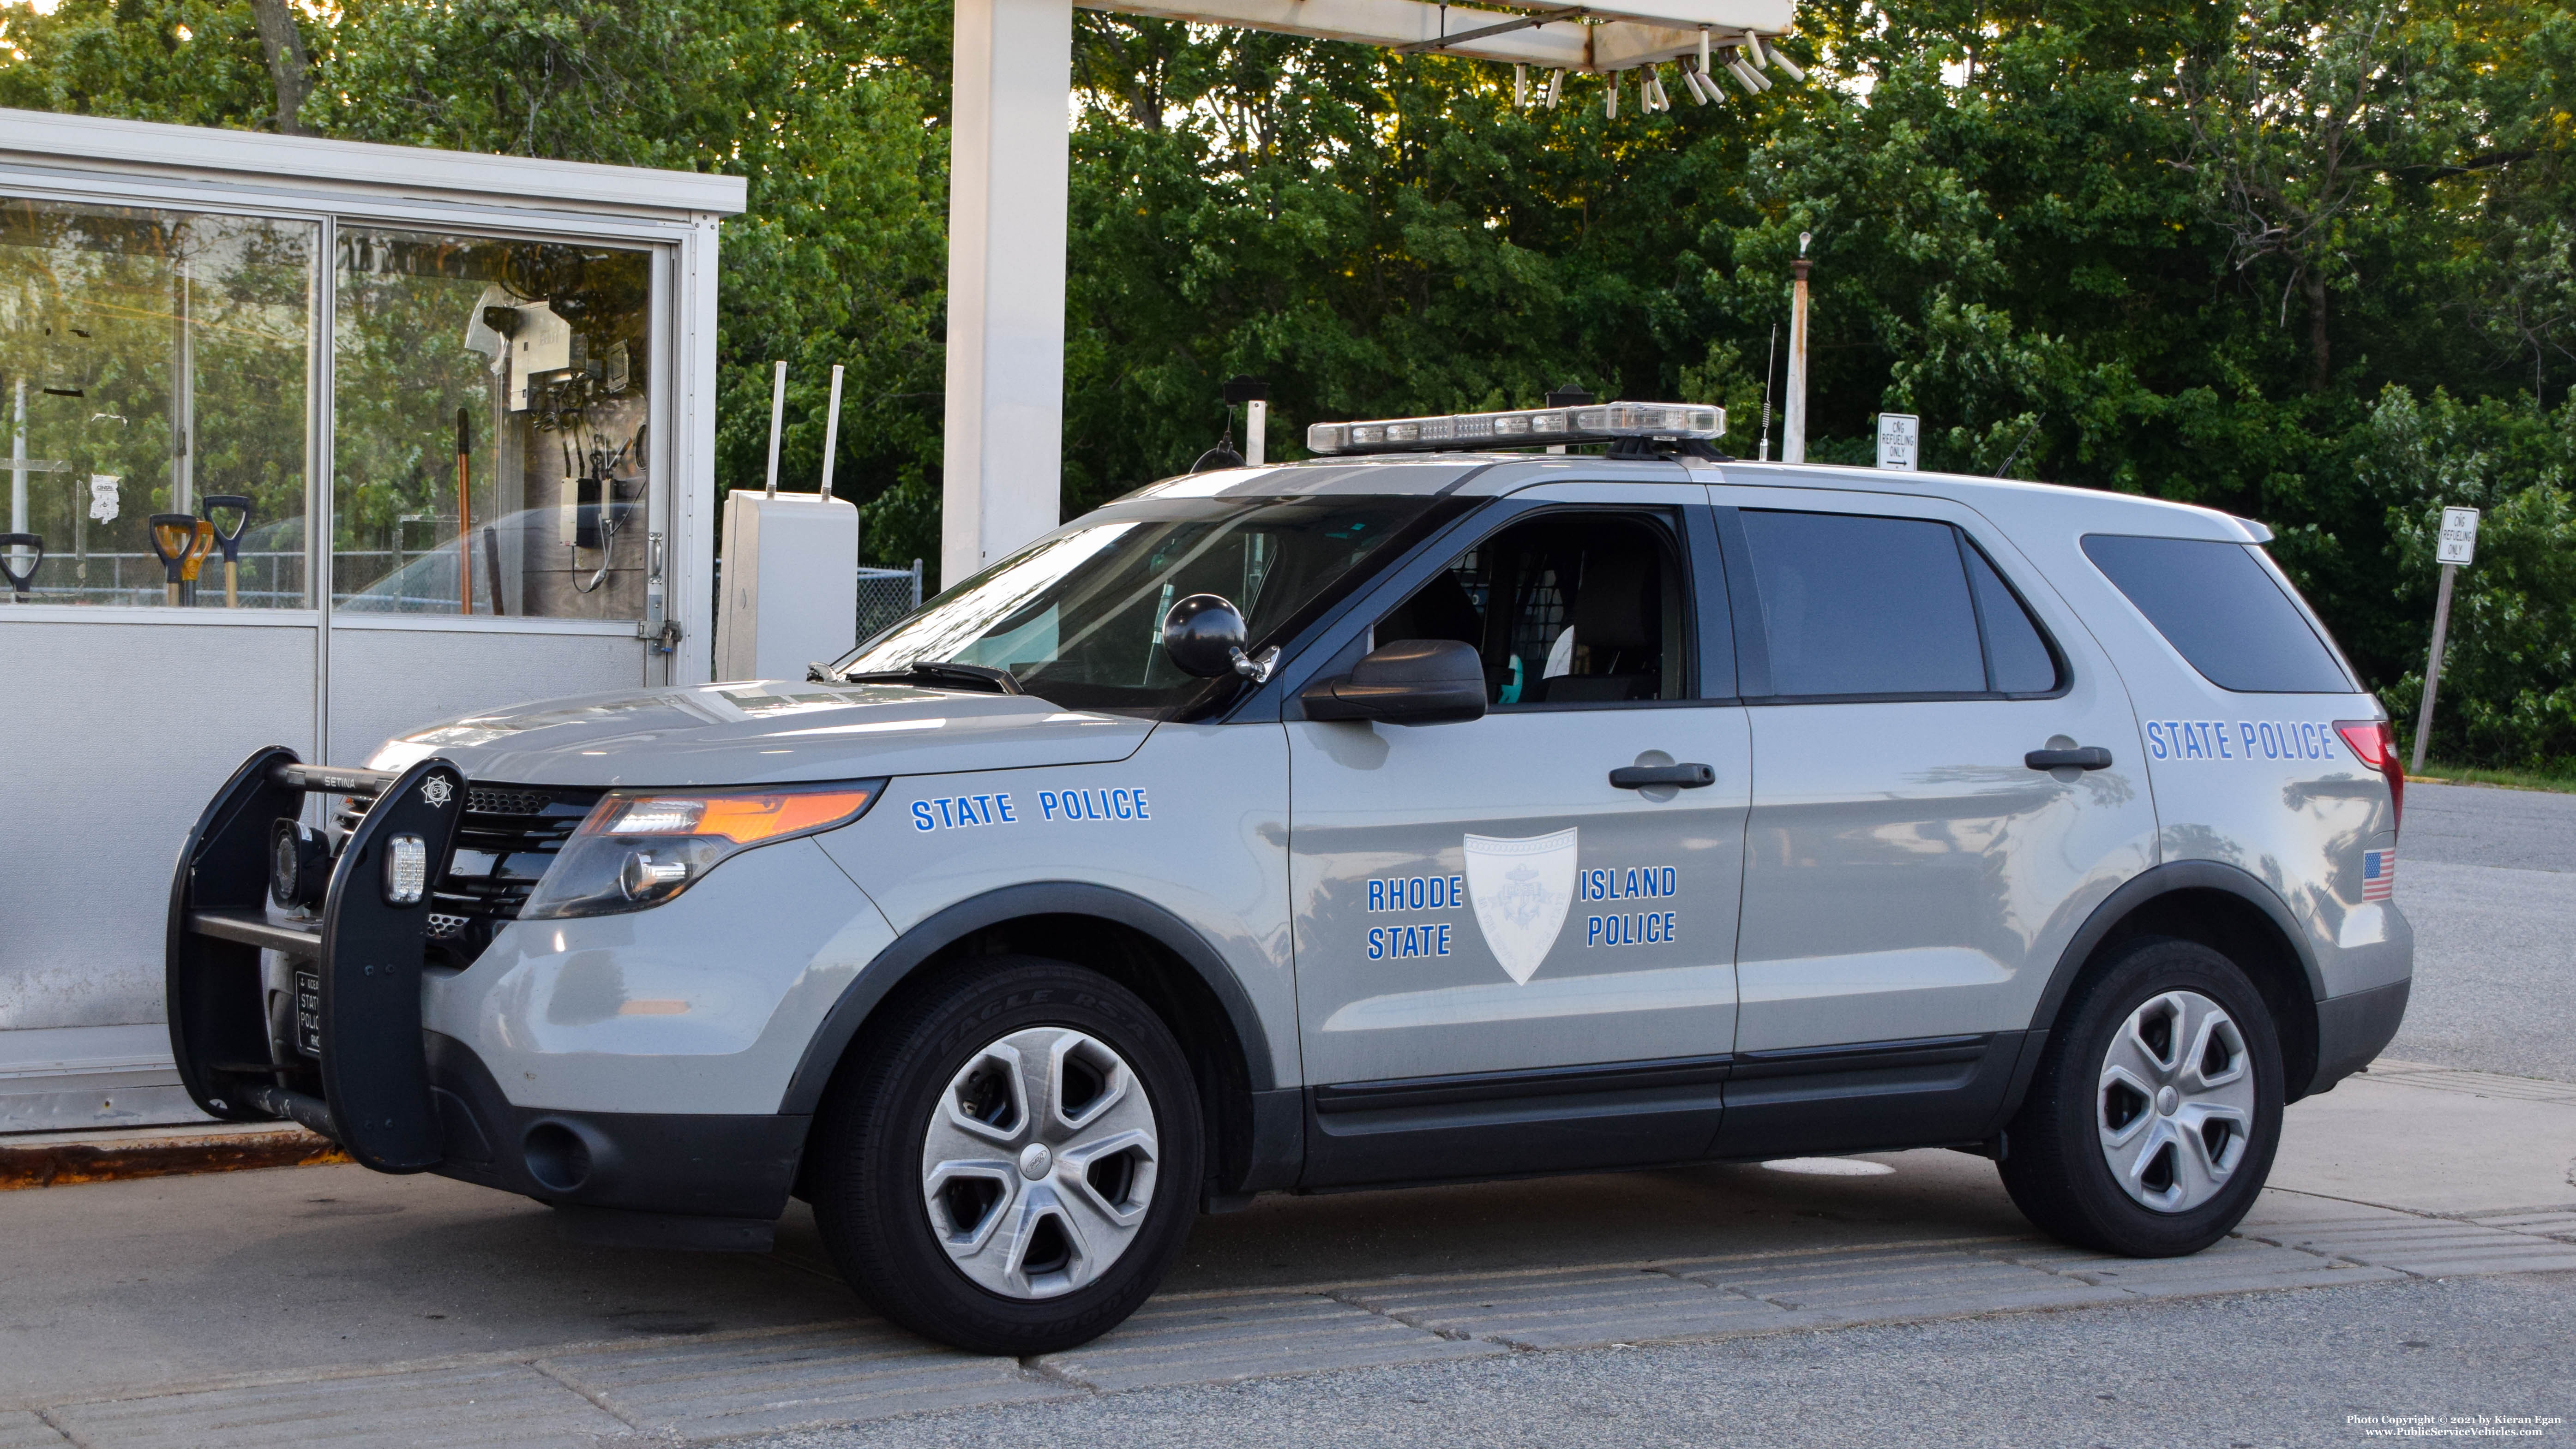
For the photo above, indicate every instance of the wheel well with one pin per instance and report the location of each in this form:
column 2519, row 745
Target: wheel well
column 2238, row 929
column 1144, row 965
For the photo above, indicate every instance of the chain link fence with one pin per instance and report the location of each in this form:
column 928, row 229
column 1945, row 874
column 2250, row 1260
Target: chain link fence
column 886, row 595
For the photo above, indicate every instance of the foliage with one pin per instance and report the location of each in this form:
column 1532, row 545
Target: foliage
column 2305, row 261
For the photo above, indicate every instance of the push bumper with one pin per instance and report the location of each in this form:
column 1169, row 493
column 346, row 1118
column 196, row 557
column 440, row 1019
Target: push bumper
column 353, row 1061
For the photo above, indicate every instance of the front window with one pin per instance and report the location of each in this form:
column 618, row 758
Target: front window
column 1076, row 618
column 489, row 437
column 152, row 387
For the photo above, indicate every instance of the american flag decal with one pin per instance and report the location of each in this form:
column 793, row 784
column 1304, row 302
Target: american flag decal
column 2378, row 874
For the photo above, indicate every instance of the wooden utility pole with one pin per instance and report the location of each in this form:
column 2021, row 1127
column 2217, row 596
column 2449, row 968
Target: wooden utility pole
column 2459, row 545
column 1793, row 421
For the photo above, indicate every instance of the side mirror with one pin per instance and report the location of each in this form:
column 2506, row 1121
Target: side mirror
column 1412, row 681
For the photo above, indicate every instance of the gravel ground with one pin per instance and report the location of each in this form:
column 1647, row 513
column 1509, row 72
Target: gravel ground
column 2265, row 1369
column 2489, row 879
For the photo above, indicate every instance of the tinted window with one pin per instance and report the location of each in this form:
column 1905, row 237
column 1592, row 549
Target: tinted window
column 1855, row 605
column 2221, row 609
column 2017, row 657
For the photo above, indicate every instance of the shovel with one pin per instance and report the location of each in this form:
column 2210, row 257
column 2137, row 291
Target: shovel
column 200, row 544
column 174, row 535
column 10, row 543
column 229, row 540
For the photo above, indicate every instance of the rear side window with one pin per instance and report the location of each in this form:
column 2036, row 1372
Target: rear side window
column 1854, row 605
column 2222, row 610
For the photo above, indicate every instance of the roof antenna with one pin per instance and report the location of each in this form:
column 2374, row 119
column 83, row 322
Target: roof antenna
column 2009, row 458
column 1768, row 365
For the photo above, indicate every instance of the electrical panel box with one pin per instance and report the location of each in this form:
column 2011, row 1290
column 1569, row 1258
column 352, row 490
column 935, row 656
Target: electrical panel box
column 791, row 584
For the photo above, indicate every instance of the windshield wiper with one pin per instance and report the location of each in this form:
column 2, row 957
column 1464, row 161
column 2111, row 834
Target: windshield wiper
column 939, row 673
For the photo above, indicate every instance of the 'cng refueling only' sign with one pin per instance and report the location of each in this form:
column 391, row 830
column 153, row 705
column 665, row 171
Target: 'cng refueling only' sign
column 2459, row 543
column 1899, row 435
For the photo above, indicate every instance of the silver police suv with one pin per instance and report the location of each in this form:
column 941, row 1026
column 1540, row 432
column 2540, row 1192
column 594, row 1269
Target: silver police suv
column 1412, row 814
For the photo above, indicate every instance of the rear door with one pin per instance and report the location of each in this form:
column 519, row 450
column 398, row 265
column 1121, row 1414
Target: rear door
column 1910, row 876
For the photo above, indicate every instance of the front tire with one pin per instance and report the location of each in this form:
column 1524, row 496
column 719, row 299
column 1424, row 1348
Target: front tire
column 2152, row 1121
column 1009, row 1164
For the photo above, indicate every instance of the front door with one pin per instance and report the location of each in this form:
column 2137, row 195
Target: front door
column 1909, row 876
column 1504, row 960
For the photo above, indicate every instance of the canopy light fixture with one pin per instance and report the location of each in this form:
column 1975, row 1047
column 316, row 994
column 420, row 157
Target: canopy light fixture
column 1524, row 428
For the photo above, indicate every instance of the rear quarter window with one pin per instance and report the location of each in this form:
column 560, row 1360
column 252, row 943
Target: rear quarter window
column 2222, row 610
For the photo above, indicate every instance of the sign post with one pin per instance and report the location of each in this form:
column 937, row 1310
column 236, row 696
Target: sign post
column 1900, row 438
column 2459, row 545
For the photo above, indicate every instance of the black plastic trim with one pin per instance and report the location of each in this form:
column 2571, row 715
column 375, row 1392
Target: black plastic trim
column 1038, row 898
column 2175, row 875
column 2353, row 1029
column 1861, row 1056
column 1511, row 1125
column 708, row 1168
column 1867, row 1096
column 1497, row 1086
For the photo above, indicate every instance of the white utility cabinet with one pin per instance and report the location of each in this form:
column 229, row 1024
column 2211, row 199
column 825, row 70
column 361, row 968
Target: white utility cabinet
column 791, row 584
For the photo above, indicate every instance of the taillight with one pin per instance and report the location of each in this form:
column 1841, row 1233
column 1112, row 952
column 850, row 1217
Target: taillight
column 2376, row 745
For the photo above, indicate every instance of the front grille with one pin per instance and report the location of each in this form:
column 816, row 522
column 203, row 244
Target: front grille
column 498, row 800
column 506, row 843
column 504, row 846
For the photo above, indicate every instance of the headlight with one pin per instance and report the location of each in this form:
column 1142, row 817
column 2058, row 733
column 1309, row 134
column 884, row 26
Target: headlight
column 639, row 848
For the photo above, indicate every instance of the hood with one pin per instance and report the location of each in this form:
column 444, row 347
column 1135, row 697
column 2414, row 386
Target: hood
column 767, row 732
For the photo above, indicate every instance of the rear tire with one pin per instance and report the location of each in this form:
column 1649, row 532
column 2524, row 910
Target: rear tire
column 2152, row 1121
column 1009, row 1164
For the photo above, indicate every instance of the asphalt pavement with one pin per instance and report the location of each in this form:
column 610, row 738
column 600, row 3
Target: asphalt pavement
column 2489, row 879
column 2415, row 1255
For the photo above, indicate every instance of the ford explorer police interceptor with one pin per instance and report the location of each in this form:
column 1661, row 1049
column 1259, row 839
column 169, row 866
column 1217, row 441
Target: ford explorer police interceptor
column 1422, row 812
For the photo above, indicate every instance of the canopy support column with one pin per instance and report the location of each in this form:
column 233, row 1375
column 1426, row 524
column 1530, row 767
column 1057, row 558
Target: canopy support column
column 1008, row 156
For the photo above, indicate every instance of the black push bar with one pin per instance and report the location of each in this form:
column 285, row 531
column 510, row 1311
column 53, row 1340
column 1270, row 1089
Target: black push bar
column 356, row 1071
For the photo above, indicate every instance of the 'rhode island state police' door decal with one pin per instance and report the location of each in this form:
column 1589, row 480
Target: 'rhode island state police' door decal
column 1521, row 889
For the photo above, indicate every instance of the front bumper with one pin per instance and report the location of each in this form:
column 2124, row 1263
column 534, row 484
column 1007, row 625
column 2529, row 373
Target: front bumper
column 397, row 1097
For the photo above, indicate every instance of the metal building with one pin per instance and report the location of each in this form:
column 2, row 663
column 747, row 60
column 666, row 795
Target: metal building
column 307, row 441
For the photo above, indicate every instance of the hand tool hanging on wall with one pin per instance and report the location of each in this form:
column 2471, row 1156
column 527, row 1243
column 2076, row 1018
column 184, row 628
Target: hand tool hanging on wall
column 11, row 544
column 200, row 544
column 173, row 534
column 492, row 566
column 465, row 521
column 229, row 540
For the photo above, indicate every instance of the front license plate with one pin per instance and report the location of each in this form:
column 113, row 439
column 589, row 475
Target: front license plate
column 308, row 1012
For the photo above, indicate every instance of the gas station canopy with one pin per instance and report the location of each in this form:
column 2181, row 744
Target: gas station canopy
column 1003, row 454
column 1561, row 37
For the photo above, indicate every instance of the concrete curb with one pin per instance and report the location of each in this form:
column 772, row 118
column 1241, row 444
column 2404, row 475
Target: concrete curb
column 59, row 1159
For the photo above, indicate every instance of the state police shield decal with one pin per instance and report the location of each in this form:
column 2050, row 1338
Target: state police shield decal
column 1521, row 889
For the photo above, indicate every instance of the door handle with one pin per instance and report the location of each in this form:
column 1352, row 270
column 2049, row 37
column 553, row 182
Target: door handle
column 2088, row 757
column 1638, row 777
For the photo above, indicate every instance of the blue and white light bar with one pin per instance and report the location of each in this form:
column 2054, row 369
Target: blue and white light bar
column 1525, row 428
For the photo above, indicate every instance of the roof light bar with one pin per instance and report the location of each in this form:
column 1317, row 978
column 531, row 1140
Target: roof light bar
column 1524, row 428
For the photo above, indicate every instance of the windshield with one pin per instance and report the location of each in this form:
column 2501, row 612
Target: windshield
column 1076, row 618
